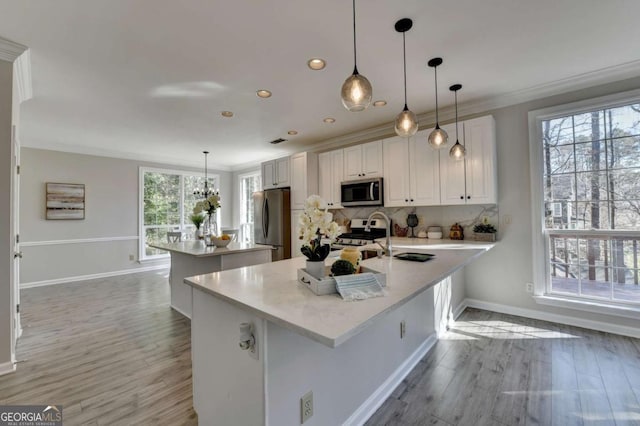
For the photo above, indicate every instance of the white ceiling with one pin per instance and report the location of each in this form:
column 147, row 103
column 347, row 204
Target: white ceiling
column 148, row 79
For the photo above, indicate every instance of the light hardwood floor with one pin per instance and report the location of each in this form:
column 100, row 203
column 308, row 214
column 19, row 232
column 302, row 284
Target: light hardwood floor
column 495, row 369
column 111, row 351
column 114, row 353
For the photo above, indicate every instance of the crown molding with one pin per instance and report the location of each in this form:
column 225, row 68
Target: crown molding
column 428, row 119
column 22, row 73
column 9, row 51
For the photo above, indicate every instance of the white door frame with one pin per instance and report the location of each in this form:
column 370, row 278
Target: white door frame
column 17, row 326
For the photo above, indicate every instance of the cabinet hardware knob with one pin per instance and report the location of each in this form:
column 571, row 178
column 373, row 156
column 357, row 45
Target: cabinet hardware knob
column 462, row 197
column 412, row 200
column 406, row 201
column 468, row 197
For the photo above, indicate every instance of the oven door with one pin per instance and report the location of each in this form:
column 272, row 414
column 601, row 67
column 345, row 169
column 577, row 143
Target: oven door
column 367, row 192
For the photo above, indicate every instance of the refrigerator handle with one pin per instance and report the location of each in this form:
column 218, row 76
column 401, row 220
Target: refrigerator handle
column 265, row 219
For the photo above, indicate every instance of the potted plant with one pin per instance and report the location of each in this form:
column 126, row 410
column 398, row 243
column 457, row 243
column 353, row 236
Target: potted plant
column 208, row 207
column 316, row 230
column 197, row 219
column 484, row 232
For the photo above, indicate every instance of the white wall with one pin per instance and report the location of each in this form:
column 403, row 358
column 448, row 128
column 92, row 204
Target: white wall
column 500, row 275
column 6, row 243
column 111, row 211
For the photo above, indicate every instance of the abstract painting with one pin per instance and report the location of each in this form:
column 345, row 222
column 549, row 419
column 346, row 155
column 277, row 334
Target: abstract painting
column 65, row 201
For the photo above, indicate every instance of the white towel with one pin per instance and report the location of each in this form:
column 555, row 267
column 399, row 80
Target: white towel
column 358, row 286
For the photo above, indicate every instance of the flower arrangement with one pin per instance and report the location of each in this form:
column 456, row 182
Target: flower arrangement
column 208, row 205
column 315, row 225
column 197, row 219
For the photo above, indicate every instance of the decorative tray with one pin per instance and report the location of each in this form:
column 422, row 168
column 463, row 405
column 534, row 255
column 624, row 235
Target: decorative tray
column 326, row 284
column 416, row 257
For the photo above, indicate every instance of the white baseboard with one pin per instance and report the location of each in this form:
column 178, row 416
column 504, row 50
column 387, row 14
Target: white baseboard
column 369, row 407
column 180, row 311
column 458, row 310
column 93, row 276
column 546, row 316
column 7, row 367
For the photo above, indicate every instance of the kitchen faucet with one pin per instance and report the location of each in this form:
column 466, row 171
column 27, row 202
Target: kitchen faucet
column 367, row 228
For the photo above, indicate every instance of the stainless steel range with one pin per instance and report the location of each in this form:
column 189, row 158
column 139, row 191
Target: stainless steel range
column 358, row 236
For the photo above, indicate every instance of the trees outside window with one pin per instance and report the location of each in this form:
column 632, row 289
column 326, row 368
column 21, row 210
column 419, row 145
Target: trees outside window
column 249, row 183
column 167, row 201
column 591, row 195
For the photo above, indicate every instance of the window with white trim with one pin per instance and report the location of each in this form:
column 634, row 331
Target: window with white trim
column 248, row 184
column 590, row 195
column 166, row 204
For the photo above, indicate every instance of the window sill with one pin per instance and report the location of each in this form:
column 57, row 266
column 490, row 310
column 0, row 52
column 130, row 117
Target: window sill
column 589, row 306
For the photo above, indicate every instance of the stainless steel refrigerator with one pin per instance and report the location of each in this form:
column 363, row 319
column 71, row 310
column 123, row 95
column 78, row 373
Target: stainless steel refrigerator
column 272, row 221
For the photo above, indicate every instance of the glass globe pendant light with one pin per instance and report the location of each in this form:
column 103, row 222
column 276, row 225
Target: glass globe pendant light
column 406, row 124
column 438, row 137
column 457, row 151
column 356, row 90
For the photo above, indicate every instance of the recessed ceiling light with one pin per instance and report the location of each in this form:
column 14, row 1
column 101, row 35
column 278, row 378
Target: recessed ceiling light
column 379, row 103
column 263, row 93
column 316, row 64
column 329, row 120
column 227, row 114
column 292, row 132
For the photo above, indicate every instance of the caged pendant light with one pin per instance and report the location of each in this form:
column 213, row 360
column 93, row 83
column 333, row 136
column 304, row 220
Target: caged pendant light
column 406, row 124
column 438, row 137
column 457, row 151
column 206, row 191
column 356, row 90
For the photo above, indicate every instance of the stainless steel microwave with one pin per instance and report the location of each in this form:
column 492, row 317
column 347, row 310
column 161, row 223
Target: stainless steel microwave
column 364, row 192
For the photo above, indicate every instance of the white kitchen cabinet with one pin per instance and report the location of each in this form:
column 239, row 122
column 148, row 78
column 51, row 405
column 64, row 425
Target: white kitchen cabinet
column 363, row 161
column 330, row 176
column 275, row 173
column 474, row 179
column 412, row 175
column 304, row 178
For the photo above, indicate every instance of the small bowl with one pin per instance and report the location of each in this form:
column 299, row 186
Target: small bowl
column 433, row 235
column 219, row 242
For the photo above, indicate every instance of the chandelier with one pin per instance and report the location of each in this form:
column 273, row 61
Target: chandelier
column 205, row 192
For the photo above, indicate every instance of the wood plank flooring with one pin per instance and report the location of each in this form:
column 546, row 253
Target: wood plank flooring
column 114, row 353
column 501, row 370
column 111, row 351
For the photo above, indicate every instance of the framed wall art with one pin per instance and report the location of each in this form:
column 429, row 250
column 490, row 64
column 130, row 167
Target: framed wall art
column 65, row 201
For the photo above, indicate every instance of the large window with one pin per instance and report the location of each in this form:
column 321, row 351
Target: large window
column 591, row 202
column 249, row 183
column 167, row 202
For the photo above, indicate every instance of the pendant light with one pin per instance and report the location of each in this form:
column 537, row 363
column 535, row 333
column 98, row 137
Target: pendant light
column 204, row 192
column 356, row 90
column 406, row 124
column 457, row 151
column 438, row 137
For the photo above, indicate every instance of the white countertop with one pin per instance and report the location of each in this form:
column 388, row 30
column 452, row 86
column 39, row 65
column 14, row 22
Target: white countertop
column 200, row 249
column 272, row 291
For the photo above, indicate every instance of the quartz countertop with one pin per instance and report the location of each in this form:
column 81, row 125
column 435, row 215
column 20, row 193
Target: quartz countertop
column 271, row 291
column 200, row 249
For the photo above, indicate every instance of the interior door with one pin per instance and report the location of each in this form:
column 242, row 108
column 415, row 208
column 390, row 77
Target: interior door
column 17, row 327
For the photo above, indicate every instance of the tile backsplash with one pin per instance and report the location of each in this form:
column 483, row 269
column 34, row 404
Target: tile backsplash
column 445, row 216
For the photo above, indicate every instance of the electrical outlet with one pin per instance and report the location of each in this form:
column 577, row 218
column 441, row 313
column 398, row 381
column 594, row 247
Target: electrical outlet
column 403, row 329
column 506, row 219
column 529, row 287
column 132, row 257
column 306, row 407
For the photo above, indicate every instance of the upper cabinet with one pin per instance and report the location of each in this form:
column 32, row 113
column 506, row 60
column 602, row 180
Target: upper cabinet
column 330, row 176
column 472, row 180
column 304, row 178
column 412, row 176
column 275, row 173
column 363, row 161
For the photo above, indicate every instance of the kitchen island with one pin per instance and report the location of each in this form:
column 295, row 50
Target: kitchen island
column 350, row 355
column 194, row 257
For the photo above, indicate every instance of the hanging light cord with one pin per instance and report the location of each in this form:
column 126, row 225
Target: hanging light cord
column 456, row 96
column 404, row 59
column 435, row 69
column 355, row 65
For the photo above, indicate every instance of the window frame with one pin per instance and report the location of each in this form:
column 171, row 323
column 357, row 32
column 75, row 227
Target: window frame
column 142, row 257
column 540, row 243
column 255, row 173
